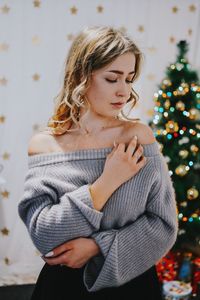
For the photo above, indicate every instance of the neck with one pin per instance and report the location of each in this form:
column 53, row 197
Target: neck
column 93, row 123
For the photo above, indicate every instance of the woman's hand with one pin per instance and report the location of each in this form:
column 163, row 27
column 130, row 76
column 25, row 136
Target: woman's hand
column 123, row 164
column 74, row 253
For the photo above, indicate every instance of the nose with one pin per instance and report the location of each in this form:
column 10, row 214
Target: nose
column 123, row 90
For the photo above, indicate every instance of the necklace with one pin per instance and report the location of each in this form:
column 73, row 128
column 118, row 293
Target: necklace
column 89, row 132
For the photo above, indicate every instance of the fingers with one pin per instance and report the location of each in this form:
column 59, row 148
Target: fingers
column 138, row 153
column 57, row 260
column 59, row 250
column 142, row 162
column 132, row 146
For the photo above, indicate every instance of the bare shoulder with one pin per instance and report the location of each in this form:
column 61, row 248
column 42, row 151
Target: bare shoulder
column 144, row 132
column 40, row 143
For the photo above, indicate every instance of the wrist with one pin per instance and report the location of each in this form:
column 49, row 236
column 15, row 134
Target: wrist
column 95, row 248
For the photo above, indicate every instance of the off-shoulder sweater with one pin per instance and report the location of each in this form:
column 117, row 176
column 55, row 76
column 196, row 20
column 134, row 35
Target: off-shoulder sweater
column 134, row 230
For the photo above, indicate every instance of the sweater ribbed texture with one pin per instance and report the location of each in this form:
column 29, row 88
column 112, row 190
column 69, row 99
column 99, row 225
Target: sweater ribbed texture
column 136, row 228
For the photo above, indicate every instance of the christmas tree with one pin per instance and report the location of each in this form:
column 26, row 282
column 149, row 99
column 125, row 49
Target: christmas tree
column 176, row 125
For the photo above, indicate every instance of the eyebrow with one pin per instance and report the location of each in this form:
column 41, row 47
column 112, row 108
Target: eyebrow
column 120, row 72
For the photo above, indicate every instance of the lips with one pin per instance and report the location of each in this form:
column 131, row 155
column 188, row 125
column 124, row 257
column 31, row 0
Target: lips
column 119, row 103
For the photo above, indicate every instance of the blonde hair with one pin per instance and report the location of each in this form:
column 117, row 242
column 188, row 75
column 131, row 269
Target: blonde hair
column 92, row 49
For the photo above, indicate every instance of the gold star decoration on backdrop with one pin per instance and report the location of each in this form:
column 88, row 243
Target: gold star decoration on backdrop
column 5, row 194
column 70, row 37
column 172, row 39
column 3, row 81
column 36, row 127
column 6, row 156
column 4, row 47
column 141, row 28
column 5, row 9
column 36, row 3
column 6, row 260
column 151, row 76
column 5, row 231
column 152, row 49
column 174, row 9
column 150, row 112
column 123, row 29
column 190, row 31
column 36, row 77
column 2, row 119
column 36, row 40
column 73, row 10
column 192, row 8
column 100, row 9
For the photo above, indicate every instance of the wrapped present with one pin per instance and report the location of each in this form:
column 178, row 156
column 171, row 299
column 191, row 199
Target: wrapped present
column 174, row 290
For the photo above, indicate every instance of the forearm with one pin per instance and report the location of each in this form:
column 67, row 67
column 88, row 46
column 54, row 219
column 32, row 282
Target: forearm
column 129, row 251
column 51, row 223
column 101, row 190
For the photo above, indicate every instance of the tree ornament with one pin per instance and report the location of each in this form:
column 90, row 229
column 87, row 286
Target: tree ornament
column 183, row 204
column 180, row 106
column 192, row 193
column 194, row 114
column 181, row 170
column 167, row 82
column 183, row 153
column 194, row 149
column 172, row 126
column 184, row 140
column 167, row 104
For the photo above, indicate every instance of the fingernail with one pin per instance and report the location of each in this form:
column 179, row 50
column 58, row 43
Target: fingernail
column 49, row 254
column 135, row 137
column 115, row 144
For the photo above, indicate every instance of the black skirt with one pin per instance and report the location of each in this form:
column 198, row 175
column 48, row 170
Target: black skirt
column 61, row 282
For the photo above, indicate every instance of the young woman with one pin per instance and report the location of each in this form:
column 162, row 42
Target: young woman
column 98, row 201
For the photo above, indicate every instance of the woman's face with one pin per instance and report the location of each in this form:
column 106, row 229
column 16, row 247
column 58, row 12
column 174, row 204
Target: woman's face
column 112, row 84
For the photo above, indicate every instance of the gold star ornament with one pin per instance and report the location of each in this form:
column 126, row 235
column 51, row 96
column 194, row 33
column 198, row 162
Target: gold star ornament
column 73, row 10
column 70, row 37
column 5, row 231
column 35, row 40
column 2, row 119
column 151, row 76
column 5, row 9
column 100, row 9
column 152, row 49
column 3, row 81
column 190, row 31
column 123, row 29
column 6, row 260
column 36, row 3
column 5, row 194
column 174, row 9
column 6, row 156
column 172, row 39
column 36, row 77
column 141, row 28
column 192, row 8
column 4, row 47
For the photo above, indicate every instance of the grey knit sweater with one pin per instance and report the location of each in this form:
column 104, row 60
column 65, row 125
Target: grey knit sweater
column 136, row 228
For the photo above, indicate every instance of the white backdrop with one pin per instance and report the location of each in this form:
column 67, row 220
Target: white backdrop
column 34, row 39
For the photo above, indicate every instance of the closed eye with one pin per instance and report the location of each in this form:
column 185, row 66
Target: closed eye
column 113, row 81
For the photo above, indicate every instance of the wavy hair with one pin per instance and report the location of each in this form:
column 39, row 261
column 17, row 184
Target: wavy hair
column 92, row 49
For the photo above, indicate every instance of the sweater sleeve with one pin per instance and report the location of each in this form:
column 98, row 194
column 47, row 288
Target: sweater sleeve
column 52, row 220
column 131, row 250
